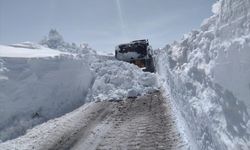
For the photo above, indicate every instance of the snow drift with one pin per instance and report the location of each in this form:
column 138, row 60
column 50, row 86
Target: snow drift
column 207, row 76
column 37, row 84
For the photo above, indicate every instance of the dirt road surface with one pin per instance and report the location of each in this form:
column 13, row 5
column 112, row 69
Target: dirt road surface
column 135, row 123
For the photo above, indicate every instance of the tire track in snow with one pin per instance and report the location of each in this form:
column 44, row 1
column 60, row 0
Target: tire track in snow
column 142, row 123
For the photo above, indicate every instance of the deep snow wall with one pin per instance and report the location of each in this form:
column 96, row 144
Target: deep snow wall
column 207, row 76
column 233, row 58
column 38, row 89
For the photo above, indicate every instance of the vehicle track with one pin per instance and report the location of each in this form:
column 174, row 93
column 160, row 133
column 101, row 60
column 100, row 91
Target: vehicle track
column 135, row 123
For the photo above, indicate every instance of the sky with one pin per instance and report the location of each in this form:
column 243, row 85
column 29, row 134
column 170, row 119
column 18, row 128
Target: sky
column 102, row 24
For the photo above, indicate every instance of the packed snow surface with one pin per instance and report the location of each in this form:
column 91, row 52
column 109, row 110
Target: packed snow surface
column 128, row 124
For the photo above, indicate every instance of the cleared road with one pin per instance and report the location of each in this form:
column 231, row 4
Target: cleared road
column 136, row 123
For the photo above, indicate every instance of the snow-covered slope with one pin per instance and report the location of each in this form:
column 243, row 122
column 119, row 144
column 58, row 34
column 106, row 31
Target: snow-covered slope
column 207, row 75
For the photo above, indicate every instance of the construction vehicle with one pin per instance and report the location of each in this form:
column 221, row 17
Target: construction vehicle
column 137, row 52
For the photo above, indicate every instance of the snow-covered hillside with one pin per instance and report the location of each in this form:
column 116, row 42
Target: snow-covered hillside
column 207, row 75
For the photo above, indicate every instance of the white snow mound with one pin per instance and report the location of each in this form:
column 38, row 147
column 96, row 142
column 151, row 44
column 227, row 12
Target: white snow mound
column 116, row 80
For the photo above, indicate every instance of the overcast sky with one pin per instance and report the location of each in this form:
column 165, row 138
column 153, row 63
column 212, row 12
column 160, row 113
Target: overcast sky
column 101, row 23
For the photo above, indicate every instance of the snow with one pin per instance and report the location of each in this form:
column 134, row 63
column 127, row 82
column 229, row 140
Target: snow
column 46, row 135
column 116, row 79
column 206, row 76
column 128, row 56
column 27, row 51
column 105, row 53
column 35, row 88
column 216, row 7
column 55, row 40
column 38, row 84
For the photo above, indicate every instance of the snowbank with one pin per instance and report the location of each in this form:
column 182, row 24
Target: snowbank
column 117, row 80
column 207, row 76
column 34, row 90
column 48, row 134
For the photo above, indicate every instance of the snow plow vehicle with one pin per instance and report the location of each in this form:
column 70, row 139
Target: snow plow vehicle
column 137, row 52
